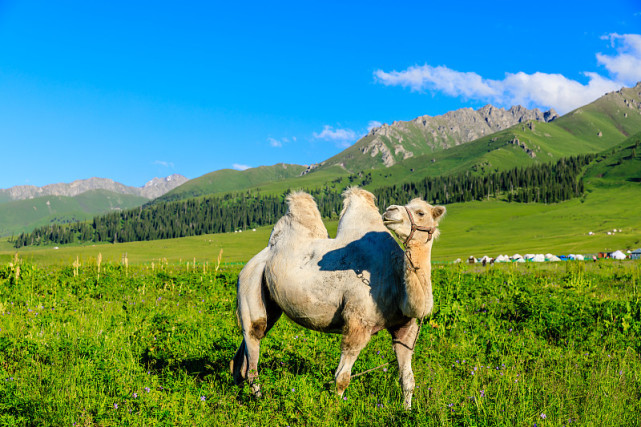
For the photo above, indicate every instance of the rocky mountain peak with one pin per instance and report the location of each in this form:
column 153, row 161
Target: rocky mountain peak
column 385, row 145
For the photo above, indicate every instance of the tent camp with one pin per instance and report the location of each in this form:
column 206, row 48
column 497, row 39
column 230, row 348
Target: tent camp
column 553, row 258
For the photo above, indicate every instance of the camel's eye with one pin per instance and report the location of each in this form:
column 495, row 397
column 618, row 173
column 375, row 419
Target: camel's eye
column 420, row 213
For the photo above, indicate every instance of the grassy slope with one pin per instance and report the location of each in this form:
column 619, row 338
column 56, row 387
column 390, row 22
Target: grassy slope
column 24, row 215
column 621, row 166
column 228, row 180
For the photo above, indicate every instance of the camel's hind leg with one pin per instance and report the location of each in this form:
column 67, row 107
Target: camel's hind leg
column 404, row 338
column 355, row 338
column 257, row 313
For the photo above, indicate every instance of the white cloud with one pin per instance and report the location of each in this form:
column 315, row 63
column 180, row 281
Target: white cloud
column 373, row 124
column 626, row 65
column 341, row 137
column 274, row 142
column 537, row 89
column 163, row 163
column 279, row 142
column 240, row 167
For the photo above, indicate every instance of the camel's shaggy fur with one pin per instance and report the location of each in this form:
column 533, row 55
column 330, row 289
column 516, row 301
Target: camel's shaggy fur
column 356, row 284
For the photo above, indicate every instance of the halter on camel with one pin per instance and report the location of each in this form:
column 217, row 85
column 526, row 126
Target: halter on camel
column 428, row 230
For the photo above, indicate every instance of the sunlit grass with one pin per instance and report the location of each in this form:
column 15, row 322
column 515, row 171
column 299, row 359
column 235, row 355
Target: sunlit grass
column 509, row 345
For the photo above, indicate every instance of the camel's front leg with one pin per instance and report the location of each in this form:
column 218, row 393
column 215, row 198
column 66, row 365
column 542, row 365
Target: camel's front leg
column 404, row 337
column 355, row 338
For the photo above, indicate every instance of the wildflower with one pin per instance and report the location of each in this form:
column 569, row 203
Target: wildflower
column 115, row 406
column 293, row 390
column 345, row 398
column 202, row 398
column 543, row 416
column 147, row 389
column 384, row 369
column 450, row 405
column 482, row 393
column 135, row 395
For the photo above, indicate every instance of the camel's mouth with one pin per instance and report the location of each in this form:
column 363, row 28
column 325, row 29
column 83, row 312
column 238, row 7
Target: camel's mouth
column 391, row 221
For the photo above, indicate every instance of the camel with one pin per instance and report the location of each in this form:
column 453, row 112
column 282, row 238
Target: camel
column 356, row 285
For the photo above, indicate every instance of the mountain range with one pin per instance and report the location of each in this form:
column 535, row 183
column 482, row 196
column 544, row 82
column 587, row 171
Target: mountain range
column 152, row 189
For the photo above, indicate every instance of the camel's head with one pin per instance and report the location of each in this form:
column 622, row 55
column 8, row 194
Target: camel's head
column 424, row 216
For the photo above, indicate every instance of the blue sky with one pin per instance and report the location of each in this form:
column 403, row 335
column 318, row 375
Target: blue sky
column 133, row 90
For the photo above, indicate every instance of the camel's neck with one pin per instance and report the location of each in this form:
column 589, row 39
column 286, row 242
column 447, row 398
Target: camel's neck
column 417, row 270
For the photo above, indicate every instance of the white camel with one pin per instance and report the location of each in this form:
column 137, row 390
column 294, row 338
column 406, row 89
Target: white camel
column 356, row 284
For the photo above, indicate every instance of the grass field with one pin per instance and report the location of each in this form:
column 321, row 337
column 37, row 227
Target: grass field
column 136, row 345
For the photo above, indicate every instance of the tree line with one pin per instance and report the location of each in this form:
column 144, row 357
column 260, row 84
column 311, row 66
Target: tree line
column 541, row 183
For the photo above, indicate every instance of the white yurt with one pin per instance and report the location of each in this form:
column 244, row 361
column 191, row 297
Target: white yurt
column 618, row 255
column 519, row 260
column 516, row 256
column 538, row 258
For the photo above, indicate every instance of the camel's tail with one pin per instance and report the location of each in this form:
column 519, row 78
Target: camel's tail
column 238, row 365
column 256, row 314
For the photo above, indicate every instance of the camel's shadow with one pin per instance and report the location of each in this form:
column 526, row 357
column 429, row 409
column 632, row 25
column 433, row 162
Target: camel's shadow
column 216, row 365
column 360, row 255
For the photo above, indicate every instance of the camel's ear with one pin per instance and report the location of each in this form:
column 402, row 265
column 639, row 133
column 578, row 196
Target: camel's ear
column 438, row 212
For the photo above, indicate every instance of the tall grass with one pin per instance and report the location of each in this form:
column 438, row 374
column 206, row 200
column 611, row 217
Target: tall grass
column 147, row 345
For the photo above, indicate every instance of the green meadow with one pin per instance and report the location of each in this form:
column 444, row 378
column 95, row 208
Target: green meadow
column 114, row 344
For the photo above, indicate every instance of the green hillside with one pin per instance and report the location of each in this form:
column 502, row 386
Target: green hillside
column 24, row 215
column 229, row 180
column 621, row 165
